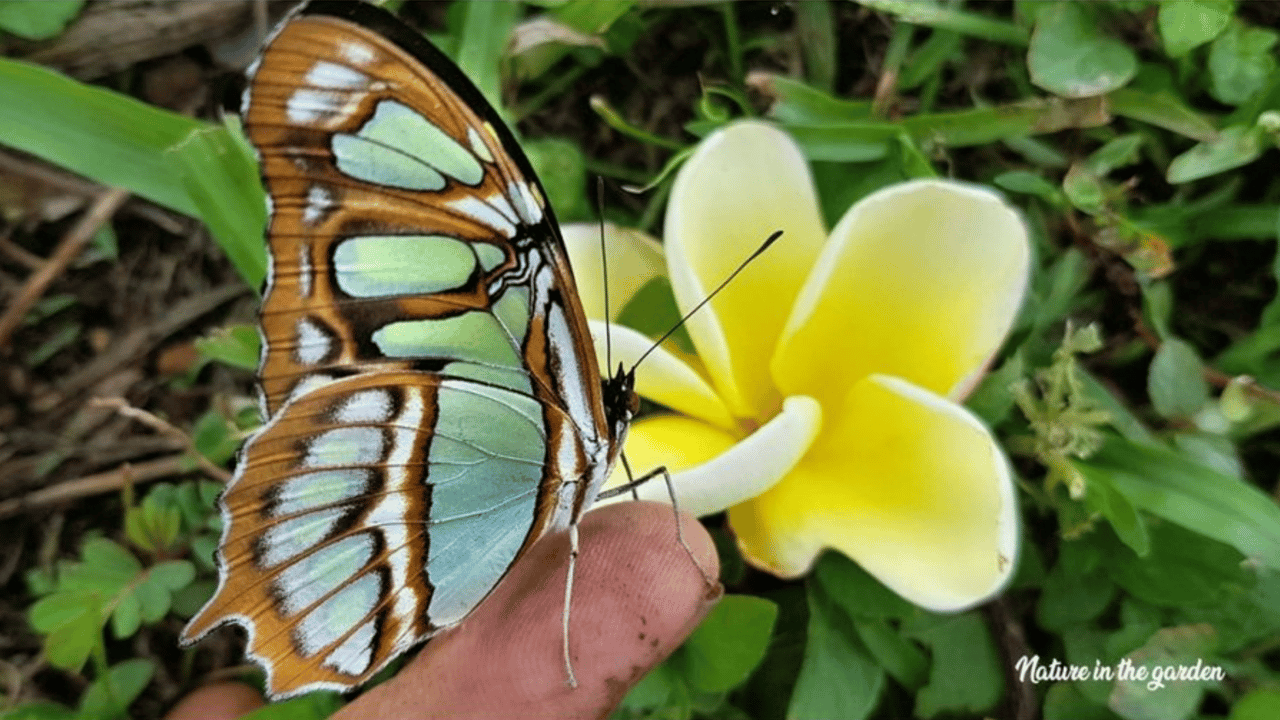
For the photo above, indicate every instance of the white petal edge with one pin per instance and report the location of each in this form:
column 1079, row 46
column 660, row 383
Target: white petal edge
column 1006, row 524
column 632, row 259
column 662, row 377
column 747, row 469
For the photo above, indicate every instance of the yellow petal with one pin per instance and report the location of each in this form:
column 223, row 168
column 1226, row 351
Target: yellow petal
column 633, row 259
column 920, row 280
column 663, row 377
column 742, row 184
column 905, row 482
column 710, row 472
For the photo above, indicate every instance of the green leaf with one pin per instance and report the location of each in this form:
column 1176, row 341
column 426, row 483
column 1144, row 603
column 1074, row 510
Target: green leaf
column 856, row 591
column 838, row 678
column 108, row 561
column 103, row 135
column 37, row 20
column 900, row 657
column 1261, row 704
column 40, row 710
column 60, row 608
column 127, row 617
column 234, row 345
column 1225, row 508
column 69, row 645
column 1183, row 568
column 564, row 168
column 1188, row 24
column 215, row 438
column 1116, row 153
column 1240, row 62
column 1159, row 697
column 662, row 693
column 965, row 675
column 937, row 15
column 1234, row 147
column 110, row 696
column 1176, row 383
column 1064, row 701
column 1027, row 183
column 1069, row 57
column 1077, row 589
column 1162, row 109
column 312, row 706
column 216, row 167
column 1102, row 497
column 173, row 574
column 728, row 644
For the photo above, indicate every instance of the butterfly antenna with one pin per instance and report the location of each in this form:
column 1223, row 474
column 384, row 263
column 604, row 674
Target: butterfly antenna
column 604, row 272
column 763, row 246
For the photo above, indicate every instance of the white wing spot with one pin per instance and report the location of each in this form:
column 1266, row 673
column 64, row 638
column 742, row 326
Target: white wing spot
column 365, row 407
column 313, row 345
column 325, row 74
column 482, row 212
column 357, row 53
column 319, row 202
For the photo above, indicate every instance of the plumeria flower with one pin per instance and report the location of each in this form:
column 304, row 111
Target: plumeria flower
column 822, row 408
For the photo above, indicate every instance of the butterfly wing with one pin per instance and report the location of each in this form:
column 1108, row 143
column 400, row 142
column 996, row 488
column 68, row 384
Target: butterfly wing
column 434, row 404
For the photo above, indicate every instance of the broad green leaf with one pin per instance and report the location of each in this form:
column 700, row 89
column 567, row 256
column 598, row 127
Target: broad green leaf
column 1183, row 568
column 728, row 644
column 110, row 696
column 1246, row 617
column 1175, row 382
column 1070, row 57
column 109, row 562
column 1102, row 497
column 173, row 574
column 799, row 103
column 312, row 706
column 1162, row 109
column 215, row 438
column 1026, row 183
column 69, row 645
column 1160, row 697
column 1234, row 147
column 563, row 168
column 1261, row 704
column 1164, row 483
column 965, row 675
column 1116, row 153
column 1188, row 24
column 937, row 15
column 839, row 678
column 127, row 617
column 103, row 135
column 856, row 591
column 217, row 169
column 40, row 710
column 1077, row 589
column 661, row 693
column 234, row 345
column 1240, row 62
column 482, row 41
column 901, row 658
column 37, row 20
column 52, row 612
column 1064, row 701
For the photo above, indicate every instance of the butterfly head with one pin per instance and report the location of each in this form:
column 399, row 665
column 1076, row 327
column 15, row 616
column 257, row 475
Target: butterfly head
column 620, row 401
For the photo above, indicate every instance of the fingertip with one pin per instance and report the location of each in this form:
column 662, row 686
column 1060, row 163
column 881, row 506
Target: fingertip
column 219, row 701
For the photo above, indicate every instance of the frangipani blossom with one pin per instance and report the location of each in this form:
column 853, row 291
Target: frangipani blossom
column 822, row 408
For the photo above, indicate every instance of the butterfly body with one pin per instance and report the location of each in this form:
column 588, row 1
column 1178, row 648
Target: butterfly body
column 433, row 400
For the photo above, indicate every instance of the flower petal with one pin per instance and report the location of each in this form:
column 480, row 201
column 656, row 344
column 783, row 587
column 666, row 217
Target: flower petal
column 905, row 482
column 920, row 280
column 710, row 472
column 634, row 258
column 663, row 377
column 743, row 183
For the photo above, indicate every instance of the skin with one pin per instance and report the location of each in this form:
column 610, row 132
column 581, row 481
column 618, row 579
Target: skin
column 637, row 596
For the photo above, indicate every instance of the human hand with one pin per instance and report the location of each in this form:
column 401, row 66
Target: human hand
column 637, row 596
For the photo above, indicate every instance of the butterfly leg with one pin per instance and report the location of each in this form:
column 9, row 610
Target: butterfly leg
column 675, row 507
column 568, row 598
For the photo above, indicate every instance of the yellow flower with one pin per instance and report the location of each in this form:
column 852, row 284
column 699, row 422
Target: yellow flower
column 822, row 408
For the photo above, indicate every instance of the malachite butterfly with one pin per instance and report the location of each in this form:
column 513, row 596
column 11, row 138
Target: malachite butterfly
column 433, row 401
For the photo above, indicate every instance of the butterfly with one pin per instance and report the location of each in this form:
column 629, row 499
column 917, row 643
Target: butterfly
column 433, row 401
